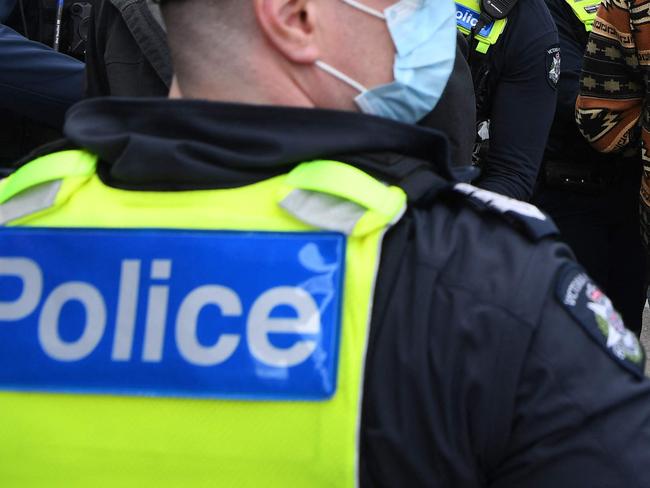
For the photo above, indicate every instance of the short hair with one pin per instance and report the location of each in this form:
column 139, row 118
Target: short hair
column 202, row 35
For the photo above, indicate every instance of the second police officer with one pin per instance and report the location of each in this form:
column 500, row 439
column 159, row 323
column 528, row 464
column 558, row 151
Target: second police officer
column 592, row 196
column 515, row 63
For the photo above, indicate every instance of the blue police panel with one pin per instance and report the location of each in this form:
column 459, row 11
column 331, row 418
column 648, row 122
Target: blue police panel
column 171, row 313
column 467, row 18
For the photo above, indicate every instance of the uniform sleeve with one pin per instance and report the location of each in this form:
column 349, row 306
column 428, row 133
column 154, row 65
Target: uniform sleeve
column 582, row 414
column 128, row 53
column 611, row 86
column 523, row 107
column 96, row 77
column 36, row 81
column 572, row 50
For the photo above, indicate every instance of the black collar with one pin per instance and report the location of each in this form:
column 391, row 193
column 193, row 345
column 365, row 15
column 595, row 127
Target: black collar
column 159, row 144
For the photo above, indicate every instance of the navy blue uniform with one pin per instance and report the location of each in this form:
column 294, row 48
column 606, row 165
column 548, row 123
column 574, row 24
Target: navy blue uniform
column 521, row 100
column 493, row 361
column 6, row 7
column 127, row 51
column 36, row 81
column 597, row 210
column 37, row 86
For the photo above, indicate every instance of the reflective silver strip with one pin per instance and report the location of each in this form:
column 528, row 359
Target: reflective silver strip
column 323, row 211
column 30, row 201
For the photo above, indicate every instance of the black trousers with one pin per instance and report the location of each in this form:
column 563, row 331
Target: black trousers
column 603, row 231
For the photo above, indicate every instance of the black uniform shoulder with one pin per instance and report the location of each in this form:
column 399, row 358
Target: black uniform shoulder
column 463, row 284
column 531, row 16
column 505, row 255
column 529, row 24
column 503, row 251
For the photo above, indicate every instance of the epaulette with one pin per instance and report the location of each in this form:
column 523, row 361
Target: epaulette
column 525, row 217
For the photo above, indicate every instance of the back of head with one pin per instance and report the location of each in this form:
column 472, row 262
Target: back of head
column 267, row 51
column 207, row 38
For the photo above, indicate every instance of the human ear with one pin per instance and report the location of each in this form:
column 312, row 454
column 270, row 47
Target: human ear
column 289, row 25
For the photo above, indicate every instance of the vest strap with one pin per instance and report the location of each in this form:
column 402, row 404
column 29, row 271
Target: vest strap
column 348, row 183
column 48, row 168
column 336, row 196
column 323, row 211
column 30, row 201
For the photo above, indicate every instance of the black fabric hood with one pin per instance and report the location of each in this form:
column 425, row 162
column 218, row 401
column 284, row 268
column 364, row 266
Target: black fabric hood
column 160, row 144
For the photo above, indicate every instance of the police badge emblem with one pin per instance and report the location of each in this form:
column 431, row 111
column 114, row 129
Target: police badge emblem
column 591, row 308
column 553, row 65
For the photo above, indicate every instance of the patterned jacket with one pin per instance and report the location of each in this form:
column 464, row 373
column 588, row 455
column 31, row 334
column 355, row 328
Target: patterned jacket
column 614, row 86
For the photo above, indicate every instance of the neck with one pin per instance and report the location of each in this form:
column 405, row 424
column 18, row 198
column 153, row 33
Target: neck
column 267, row 85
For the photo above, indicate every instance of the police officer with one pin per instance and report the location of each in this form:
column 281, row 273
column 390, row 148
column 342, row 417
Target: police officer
column 37, row 86
column 233, row 315
column 515, row 62
column 592, row 196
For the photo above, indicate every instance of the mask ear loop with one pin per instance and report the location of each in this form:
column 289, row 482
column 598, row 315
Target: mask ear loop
column 341, row 76
column 365, row 8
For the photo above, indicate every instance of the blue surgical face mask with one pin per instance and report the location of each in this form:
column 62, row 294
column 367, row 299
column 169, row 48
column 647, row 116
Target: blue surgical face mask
column 424, row 34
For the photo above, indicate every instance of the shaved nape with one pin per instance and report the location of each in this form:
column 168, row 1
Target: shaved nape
column 202, row 35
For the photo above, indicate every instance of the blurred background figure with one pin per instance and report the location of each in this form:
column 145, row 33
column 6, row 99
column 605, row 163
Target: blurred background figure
column 127, row 50
column 515, row 64
column 37, row 84
column 592, row 196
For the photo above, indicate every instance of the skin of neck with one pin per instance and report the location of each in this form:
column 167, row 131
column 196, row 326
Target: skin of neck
column 265, row 79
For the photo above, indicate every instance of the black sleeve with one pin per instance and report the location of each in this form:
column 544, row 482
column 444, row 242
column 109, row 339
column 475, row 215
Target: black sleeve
column 582, row 416
column 127, row 52
column 35, row 81
column 565, row 141
column 96, row 77
column 523, row 105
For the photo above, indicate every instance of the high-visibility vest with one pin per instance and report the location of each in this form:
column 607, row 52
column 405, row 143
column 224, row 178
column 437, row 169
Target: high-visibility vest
column 585, row 10
column 467, row 15
column 124, row 395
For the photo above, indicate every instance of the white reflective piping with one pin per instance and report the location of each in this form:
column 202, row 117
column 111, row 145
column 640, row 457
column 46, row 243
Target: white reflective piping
column 365, row 8
column 323, row 211
column 500, row 203
column 30, row 201
column 341, row 76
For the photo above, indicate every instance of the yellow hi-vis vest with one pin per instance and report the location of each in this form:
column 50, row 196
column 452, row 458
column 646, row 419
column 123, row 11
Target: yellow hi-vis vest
column 467, row 15
column 585, row 10
column 75, row 416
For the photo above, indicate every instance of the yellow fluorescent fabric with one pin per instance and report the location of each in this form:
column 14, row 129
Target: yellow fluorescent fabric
column 49, row 440
column 585, row 10
column 484, row 42
column 42, row 170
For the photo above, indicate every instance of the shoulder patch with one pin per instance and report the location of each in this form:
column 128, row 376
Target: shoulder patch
column 591, row 308
column 553, row 65
column 523, row 215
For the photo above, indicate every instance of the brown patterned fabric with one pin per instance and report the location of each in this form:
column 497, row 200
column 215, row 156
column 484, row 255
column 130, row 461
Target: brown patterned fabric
column 612, row 110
